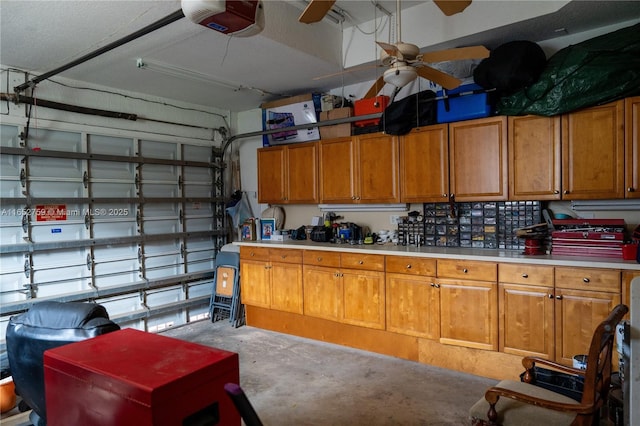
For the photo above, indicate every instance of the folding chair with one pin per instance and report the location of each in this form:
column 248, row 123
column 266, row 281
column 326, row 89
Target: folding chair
column 225, row 296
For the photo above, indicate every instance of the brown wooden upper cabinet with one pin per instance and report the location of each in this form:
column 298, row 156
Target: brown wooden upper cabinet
column 632, row 146
column 534, row 158
column 424, row 165
column 359, row 169
column 288, row 174
column 478, row 159
column 593, row 153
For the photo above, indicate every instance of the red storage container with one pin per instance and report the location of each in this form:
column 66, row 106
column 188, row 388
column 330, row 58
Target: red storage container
column 130, row 377
column 370, row 106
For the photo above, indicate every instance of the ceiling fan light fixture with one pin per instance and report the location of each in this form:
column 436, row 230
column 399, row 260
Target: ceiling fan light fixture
column 400, row 75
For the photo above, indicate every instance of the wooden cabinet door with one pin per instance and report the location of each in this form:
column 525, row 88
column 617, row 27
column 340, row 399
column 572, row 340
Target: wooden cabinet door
column 478, row 159
column 469, row 313
column 272, row 175
column 322, row 289
column 255, row 283
column 337, row 162
column 526, row 320
column 302, row 173
column 286, row 287
column 424, row 165
column 363, row 298
column 593, row 153
column 632, row 147
column 534, row 157
column 413, row 306
column 578, row 313
column 377, row 169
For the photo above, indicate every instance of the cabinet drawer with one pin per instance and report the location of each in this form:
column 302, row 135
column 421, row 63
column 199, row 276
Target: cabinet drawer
column 285, row 255
column 525, row 274
column 588, row 279
column 370, row 262
column 321, row 258
column 468, row 269
column 254, row 253
column 411, row 265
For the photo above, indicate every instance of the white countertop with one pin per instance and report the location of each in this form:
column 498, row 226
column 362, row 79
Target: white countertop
column 503, row 256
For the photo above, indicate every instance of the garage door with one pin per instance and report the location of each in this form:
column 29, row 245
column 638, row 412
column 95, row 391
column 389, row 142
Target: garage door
column 130, row 223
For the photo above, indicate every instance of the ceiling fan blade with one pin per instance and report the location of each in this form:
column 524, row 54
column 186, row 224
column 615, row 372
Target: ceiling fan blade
column 315, row 11
column 451, row 7
column 471, row 52
column 391, row 49
column 377, row 86
column 438, row 77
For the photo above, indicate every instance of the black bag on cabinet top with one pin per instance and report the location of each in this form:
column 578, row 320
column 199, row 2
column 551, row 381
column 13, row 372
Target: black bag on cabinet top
column 413, row 111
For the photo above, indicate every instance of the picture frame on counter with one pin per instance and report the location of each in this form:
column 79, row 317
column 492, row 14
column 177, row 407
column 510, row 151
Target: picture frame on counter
column 267, row 228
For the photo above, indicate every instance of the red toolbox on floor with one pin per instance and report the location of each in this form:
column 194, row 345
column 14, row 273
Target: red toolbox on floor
column 130, row 377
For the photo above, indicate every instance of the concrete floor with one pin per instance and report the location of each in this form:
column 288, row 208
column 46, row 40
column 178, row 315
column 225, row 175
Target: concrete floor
column 296, row 381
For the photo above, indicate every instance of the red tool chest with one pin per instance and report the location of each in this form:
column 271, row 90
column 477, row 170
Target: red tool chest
column 130, row 377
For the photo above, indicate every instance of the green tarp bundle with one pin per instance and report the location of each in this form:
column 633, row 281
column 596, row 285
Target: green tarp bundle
column 596, row 71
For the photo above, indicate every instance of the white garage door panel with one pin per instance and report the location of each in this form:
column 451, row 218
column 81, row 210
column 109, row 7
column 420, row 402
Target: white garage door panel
column 119, row 305
column 10, row 166
column 200, row 261
column 11, row 188
column 55, row 140
column 163, row 266
column 42, row 189
column 164, row 150
column 46, row 232
column 157, row 248
column 200, row 289
column 110, row 274
column 159, row 173
column 111, row 189
column 198, row 209
column 114, row 229
column 201, row 224
column 112, row 253
column 11, row 223
column 60, row 258
column 164, row 296
column 160, row 190
column 197, row 153
column 56, row 169
column 110, row 145
column 161, row 226
column 112, row 170
column 9, row 136
column 57, row 288
column 196, row 244
column 14, row 287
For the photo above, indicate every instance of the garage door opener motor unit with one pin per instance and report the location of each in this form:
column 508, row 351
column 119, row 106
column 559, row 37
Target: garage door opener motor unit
column 237, row 18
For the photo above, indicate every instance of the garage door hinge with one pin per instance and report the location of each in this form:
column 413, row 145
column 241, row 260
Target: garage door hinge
column 23, row 177
column 27, row 268
column 90, row 261
column 180, row 183
column 87, row 221
column 85, row 179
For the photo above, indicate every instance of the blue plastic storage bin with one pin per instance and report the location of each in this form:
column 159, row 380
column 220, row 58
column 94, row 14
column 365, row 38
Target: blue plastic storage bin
column 463, row 107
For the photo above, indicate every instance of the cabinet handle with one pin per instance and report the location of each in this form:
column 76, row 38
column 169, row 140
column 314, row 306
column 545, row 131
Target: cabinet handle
column 559, row 297
column 437, row 286
column 409, row 266
column 585, row 280
column 565, row 191
column 361, row 262
column 445, row 195
column 550, row 296
column 353, row 197
column 631, row 189
column 357, row 198
column 556, row 192
column 252, row 254
column 319, row 259
column 432, row 285
column 525, row 275
column 465, row 270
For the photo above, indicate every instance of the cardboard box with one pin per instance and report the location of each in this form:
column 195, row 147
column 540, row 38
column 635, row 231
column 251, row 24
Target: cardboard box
column 136, row 378
column 337, row 130
column 290, row 112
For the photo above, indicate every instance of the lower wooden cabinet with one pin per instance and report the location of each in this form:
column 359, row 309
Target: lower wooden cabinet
column 526, row 310
column 584, row 297
column 354, row 294
column 272, row 278
column 468, row 303
column 412, row 300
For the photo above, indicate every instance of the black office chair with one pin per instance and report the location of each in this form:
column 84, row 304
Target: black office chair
column 47, row 325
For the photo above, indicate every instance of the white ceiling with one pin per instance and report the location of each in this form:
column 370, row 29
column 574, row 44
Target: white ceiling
column 283, row 60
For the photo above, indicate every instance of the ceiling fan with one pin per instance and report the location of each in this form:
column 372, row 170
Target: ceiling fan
column 404, row 61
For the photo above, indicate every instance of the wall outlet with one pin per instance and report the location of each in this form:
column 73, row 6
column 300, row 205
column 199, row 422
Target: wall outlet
column 394, row 219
